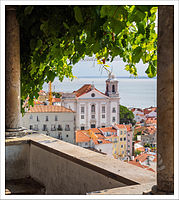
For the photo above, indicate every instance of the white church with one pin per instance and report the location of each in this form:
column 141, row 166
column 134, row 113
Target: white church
column 93, row 108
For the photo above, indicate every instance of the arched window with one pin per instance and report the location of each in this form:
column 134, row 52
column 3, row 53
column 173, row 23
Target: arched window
column 113, row 88
column 93, row 108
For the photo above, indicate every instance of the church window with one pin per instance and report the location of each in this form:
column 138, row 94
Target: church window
column 93, row 94
column 113, row 119
column 113, row 88
column 93, row 108
column 114, row 110
column 82, row 109
column 103, row 109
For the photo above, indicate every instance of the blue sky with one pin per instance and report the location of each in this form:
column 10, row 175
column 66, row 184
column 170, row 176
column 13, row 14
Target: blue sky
column 89, row 67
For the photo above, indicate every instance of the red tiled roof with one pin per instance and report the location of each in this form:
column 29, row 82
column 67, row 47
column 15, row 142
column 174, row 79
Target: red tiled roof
column 139, row 165
column 103, row 141
column 128, row 126
column 108, row 129
column 121, row 126
column 95, row 130
column 82, row 136
column 85, row 89
column 141, row 149
column 48, row 109
column 56, row 100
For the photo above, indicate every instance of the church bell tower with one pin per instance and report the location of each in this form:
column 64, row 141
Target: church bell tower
column 112, row 86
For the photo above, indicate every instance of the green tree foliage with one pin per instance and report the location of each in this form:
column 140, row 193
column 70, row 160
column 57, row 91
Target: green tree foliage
column 136, row 153
column 56, row 94
column 54, row 38
column 126, row 116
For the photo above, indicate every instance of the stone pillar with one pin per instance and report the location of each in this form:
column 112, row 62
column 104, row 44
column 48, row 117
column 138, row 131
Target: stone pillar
column 165, row 100
column 12, row 78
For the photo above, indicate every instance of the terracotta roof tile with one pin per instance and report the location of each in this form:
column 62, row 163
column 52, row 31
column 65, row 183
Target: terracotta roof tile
column 56, row 100
column 121, row 126
column 108, row 129
column 82, row 136
column 84, row 89
column 48, row 109
column 95, row 130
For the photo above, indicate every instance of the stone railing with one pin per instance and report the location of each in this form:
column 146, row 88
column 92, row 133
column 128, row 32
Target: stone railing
column 64, row 168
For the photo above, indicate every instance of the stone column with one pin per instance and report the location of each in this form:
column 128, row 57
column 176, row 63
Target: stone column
column 12, row 67
column 165, row 100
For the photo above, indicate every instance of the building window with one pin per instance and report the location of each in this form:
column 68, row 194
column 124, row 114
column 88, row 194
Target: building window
column 103, row 116
column 93, row 116
column 60, row 128
column 93, row 126
column 121, row 132
column 31, row 117
column 103, row 109
column 120, row 139
column 38, row 119
column 46, row 118
column 36, row 127
column 60, row 136
column 129, row 135
column 128, row 140
column 113, row 119
column 66, row 135
column 86, row 144
column 56, row 118
column 44, row 127
column 103, row 126
column 122, row 152
column 114, row 110
column 113, row 88
column 124, row 139
column 82, row 116
column 53, row 128
column 31, row 127
column 82, row 128
column 93, row 108
column 125, row 132
column 129, row 146
column 93, row 94
column 121, row 146
column 67, row 128
column 82, row 110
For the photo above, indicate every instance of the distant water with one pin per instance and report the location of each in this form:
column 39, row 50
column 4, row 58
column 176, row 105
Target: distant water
column 139, row 92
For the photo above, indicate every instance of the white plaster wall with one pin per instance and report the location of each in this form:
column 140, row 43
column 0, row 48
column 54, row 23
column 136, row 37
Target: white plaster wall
column 62, row 176
column 63, row 119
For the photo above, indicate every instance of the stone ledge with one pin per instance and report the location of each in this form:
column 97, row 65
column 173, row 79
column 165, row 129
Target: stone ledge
column 110, row 167
column 127, row 190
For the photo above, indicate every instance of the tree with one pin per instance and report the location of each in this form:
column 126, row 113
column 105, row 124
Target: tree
column 137, row 152
column 54, row 38
column 126, row 116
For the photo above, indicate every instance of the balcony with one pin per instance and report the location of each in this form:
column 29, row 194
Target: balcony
column 70, row 170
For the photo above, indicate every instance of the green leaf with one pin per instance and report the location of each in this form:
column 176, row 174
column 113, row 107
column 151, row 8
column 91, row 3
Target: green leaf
column 137, row 55
column 32, row 44
column 28, row 10
column 78, row 14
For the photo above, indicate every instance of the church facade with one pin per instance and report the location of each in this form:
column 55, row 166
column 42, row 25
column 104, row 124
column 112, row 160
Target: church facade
column 93, row 108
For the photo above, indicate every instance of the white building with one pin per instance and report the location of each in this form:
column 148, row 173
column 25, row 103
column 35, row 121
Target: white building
column 55, row 121
column 94, row 108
